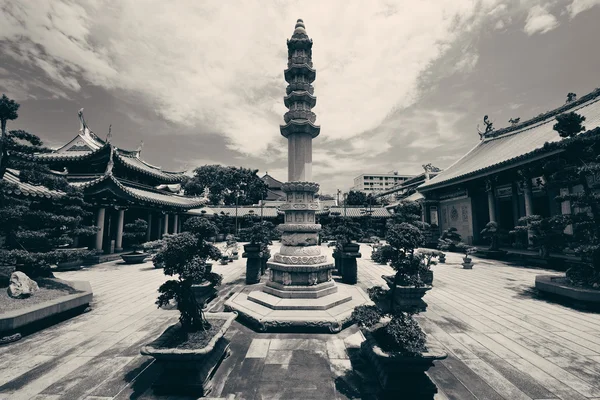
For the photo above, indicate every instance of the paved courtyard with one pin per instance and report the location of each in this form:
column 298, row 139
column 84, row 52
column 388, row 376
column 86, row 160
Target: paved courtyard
column 503, row 342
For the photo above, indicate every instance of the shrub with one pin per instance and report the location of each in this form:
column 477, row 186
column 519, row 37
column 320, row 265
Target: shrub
column 403, row 335
column 449, row 239
column 383, row 254
column 134, row 233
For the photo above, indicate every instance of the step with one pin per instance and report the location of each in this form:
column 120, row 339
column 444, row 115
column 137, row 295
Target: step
column 278, row 303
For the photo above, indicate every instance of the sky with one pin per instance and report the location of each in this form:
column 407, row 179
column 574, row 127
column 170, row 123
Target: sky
column 399, row 83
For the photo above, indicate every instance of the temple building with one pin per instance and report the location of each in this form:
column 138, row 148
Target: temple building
column 496, row 180
column 121, row 186
column 274, row 192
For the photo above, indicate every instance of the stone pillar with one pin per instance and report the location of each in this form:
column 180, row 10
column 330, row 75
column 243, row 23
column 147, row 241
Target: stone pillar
column 490, row 188
column 100, row 224
column 149, row 231
column 175, row 223
column 300, row 157
column 528, row 204
column 119, row 241
column 165, row 229
column 515, row 203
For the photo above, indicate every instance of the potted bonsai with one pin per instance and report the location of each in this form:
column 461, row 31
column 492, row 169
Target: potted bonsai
column 449, row 239
column 467, row 250
column 492, row 232
column 429, row 258
column 397, row 350
column 257, row 251
column 189, row 351
column 232, row 247
column 410, row 282
column 133, row 235
column 344, row 231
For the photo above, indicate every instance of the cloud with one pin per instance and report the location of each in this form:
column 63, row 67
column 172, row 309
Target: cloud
column 220, row 65
column 539, row 20
column 579, row 6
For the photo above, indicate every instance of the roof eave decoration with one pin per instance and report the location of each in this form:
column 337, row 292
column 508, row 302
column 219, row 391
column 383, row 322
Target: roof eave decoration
column 300, row 126
column 544, row 116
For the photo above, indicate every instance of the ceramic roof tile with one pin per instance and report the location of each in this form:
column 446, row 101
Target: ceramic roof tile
column 512, row 145
column 27, row 189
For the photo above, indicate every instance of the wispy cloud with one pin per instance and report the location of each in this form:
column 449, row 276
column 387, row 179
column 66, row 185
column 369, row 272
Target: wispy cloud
column 539, row 20
column 579, row 6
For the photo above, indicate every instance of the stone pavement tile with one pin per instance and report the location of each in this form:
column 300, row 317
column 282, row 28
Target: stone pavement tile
column 258, row 348
column 549, row 382
column 310, row 358
column 448, row 384
column 119, row 379
column 525, row 382
column 354, row 341
column 298, row 344
column 471, row 380
column 297, row 372
column 336, row 348
column 296, row 390
column 281, row 357
column 498, row 382
column 589, row 372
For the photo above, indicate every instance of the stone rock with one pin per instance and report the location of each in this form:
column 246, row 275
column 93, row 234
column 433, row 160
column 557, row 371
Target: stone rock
column 21, row 286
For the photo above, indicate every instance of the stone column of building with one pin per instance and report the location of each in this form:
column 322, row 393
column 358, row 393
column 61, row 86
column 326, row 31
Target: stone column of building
column 165, row 227
column 527, row 196
column 175, row 223
column 120, row 221
column 565, row 209
column 300, row 291
column 149, row 231
column 100, row 224
column 490, row 187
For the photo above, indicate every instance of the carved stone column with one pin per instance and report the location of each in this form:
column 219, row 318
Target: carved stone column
column 100, row 224
column 490, row 187
column 120, row 221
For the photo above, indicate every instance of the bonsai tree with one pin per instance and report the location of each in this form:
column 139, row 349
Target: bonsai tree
column 344, row 230
column 449, row 239
column 382, row 254
column 134, row 234
column 231, row 246
column 547, row 234
column 185, row 256
column 492, row 232
column 466, row 250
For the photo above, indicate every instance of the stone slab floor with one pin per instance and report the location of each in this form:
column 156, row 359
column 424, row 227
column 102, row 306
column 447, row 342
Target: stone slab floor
column 503, row 343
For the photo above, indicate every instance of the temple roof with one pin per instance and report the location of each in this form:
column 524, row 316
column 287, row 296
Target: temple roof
column 515, row 145
column 28, row 189
column 87, row 144
column 354, row 211
column 123, row 188
column 267, row 212
column 271, row 182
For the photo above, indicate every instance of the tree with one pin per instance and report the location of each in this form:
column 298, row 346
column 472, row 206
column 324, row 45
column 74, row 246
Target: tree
column 356, row 198
column 35, row 228
column 225, row 184
column 546, row 233
column 8, row 112
column 135, row 233
column 578, row 167
column 569, row 124
column 185, row 255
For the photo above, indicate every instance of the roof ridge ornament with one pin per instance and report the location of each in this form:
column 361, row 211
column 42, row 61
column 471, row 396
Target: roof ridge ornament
column 109, row 135
column 489, row 126
column 139, row 149
column 83, row 128
column 110, row 164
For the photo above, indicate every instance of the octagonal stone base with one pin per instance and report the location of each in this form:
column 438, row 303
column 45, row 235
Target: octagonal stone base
column 266, row 312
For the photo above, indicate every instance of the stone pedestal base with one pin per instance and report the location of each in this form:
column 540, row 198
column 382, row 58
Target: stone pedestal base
column 329, row 313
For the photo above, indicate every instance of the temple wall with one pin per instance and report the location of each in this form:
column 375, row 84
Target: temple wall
column 457, row 214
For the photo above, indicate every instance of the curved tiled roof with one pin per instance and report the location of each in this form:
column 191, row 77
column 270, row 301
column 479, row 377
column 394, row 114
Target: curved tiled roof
column 267, row 212
column 145, row 193
column 28, row 189
column 132, row 160
column 353, row 212
column 522, row 143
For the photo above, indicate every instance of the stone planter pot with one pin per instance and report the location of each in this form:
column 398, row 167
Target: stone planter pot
column 408, row 298
column 235, row 255
column 401, row 376
column 189, row 371
column 467, row 263
column 253, row 263
column 134, row 258
column 263, row 265
column 428, row 277
column 442, row 258
column 224, row 260
column 204, row 292
column 349, row 266
column 73, row 265
column 337, row 263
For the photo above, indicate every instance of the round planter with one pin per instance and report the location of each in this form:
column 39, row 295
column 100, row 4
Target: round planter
column 224, row 261
column 134, row 258
column 467, row 263
column 401, row 376
column 189, row 371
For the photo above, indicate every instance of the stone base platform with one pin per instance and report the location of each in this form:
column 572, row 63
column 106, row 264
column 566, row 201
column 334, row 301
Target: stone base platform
column 298, row 316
